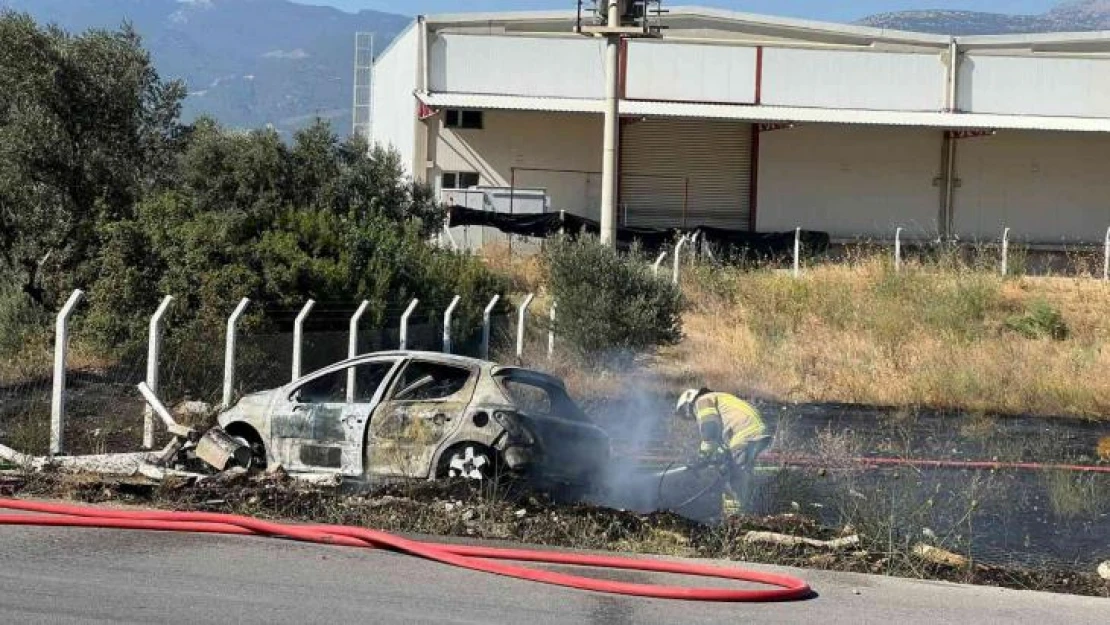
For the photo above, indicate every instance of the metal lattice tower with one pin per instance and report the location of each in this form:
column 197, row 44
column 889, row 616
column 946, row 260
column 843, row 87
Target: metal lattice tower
column 361, row 116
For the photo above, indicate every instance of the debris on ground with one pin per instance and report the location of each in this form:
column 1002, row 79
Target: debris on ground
column 1104, row 570
column 516, row 513
column 189, row 454
column 936, row 555
column 773, row 538
column 222, row 452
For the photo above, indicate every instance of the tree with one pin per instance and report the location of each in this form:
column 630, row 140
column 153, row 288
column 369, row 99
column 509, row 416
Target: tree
column 253, row 217
column 611, row 306
column 86, row 126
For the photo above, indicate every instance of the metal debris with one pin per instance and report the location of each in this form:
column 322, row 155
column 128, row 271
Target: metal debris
column 221, row 451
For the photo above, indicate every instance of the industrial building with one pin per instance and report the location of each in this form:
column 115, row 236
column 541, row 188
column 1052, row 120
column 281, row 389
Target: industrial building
column 759, row 123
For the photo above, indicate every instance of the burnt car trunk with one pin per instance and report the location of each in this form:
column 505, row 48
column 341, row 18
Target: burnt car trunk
column 570, row 451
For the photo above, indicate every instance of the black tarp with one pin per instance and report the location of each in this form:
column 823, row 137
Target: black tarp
column 750, row 245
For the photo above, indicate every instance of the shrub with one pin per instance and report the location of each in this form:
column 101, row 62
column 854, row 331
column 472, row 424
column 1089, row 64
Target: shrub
column 1039, row 321
column 610, row 305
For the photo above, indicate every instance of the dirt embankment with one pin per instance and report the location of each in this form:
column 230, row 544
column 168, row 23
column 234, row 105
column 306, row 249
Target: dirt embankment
column 513, row 513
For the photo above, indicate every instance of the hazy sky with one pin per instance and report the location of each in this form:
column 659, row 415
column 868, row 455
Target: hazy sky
column 815, row 9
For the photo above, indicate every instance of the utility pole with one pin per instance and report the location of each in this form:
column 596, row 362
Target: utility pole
column 610, row 162
column 623, row 19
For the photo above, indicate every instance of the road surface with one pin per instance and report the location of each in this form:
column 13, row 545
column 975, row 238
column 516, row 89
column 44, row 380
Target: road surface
column 59, row 575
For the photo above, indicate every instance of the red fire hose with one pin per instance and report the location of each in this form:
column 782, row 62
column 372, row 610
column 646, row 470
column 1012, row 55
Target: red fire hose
column 473, row 558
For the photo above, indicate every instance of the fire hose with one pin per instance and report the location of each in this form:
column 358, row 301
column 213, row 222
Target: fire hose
column 468, row 557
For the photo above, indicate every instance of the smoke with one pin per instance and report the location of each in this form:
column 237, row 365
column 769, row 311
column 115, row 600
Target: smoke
column 647, row 441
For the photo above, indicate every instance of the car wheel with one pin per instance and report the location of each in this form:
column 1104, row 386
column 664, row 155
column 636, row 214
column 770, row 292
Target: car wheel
column 471, row 462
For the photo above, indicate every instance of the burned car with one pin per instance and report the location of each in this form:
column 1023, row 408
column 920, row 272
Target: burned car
column 421, row 415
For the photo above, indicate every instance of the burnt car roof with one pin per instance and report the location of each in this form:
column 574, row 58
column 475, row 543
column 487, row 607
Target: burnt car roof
column 492, row 367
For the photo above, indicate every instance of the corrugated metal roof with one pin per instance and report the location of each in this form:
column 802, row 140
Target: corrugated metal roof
column 772, row 113
column 786, row 24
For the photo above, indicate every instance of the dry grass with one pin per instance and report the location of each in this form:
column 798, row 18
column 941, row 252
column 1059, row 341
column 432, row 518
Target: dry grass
column 929, row 336
column 940, row 334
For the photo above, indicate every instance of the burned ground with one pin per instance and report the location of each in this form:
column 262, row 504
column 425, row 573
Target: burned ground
column 510, row 512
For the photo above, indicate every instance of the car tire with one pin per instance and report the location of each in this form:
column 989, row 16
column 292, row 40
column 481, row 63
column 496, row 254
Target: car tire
column 469, row 461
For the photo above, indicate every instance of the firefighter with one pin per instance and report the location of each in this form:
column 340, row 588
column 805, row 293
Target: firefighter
column 732, row 434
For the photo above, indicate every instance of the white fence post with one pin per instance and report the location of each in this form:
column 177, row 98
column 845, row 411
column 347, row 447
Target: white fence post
column 659, row 263
column 521, row 312
column 447, row 324
column 1106, row 258
column 57, row 398
column 352, row 347
column 678, row 258
column 1005, row 252
column 298, row 337
column 229, row 352
column 551, row 332
column 153, row 354
column 797, row 252
column 485, row 326
column 898, row 250
column 405, row 324
column 450, row 238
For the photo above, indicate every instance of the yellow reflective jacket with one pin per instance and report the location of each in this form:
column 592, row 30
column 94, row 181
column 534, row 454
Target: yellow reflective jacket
column 728, row 420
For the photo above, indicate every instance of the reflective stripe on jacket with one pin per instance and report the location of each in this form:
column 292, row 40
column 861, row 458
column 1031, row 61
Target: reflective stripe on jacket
column 728, row 420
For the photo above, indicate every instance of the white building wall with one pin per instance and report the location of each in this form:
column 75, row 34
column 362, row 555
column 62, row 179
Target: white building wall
column 850, row 180
column 1029, row 85
column 684, row 72
column 853, row 80
column 393, row 113
column 571, row 67
column 1047, row 187
column 529, row 141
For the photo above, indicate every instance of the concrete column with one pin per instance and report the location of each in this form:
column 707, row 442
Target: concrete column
column 58, row 392
column 610, row 162
column 230, row 339
column 154, row 349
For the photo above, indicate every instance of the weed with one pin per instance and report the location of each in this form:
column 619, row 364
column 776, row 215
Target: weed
column 1040, row 321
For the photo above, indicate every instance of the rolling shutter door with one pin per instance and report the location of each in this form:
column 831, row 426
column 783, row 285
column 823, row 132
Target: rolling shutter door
column 678, row 173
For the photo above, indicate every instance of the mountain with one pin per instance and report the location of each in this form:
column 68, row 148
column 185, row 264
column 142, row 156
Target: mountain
column 247, row 63
column 1079, row 16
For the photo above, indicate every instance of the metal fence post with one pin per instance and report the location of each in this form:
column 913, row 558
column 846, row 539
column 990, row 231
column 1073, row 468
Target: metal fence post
column 352, row 346
column 485, row 326
column 797, row 252
column 678, row 258
column 447, row 324
column 229, row 352
column 659, row 263
column 1005, row 252
column 405, row 324
column 898, row 250
column 57, row 398
column 153, row 354
column 521, row 312
column 551, row 332
column 298, row 337
column 1106, row 258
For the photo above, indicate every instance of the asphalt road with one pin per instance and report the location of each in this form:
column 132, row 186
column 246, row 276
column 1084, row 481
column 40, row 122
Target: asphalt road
column 57, row 575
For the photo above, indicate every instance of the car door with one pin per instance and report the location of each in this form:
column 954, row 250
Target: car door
column 322, row 423
column 426, row 404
